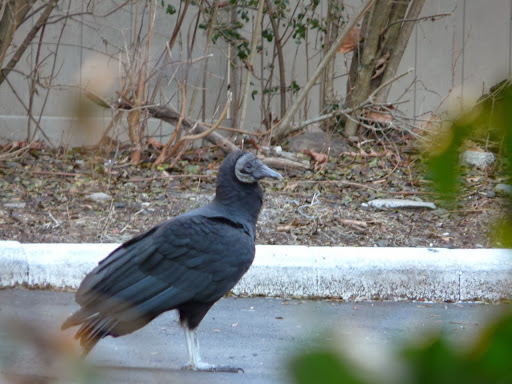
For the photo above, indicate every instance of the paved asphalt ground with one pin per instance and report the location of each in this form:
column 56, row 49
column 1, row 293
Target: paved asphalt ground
column 256, row 334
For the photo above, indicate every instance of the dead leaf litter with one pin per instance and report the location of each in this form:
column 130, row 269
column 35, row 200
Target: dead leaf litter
column 45, row 196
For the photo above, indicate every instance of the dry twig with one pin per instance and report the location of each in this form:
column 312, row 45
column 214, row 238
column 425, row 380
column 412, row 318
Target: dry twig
column 281, row 163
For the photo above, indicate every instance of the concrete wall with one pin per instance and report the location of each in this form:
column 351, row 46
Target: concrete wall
column 455, row 59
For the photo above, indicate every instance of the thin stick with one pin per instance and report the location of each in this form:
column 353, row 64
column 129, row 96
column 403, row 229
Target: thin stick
column 412, row 193
column 343, row 182
column 430, row 17
column 11, row 153
column 249, row 63
column 169, row 177
column 66, row 174
column 222, row 128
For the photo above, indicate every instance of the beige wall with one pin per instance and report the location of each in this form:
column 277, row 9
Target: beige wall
column 455, row 57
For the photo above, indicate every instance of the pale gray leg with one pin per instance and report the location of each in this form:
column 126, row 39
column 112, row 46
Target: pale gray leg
column 194, row 358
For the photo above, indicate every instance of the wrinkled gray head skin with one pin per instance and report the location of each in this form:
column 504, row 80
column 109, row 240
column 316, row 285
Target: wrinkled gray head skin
column 249, row 169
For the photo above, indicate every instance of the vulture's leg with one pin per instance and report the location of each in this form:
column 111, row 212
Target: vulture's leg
column 194, row 358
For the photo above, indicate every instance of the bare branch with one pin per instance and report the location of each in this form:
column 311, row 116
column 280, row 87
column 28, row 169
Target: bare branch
column 203, row 134
column 430, row 17
column 345, row 111
column 163, row 155
column 282, row 163
column 29, row 114
column 28, row 39
column 249, row 63
column 171, row 116
column 284, row 127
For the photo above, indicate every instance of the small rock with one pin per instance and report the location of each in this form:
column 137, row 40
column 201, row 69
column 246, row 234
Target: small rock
column 320, row 142
column 504, row 188
column 478, row 159
column 99, row 197
column 399, row 203
column 119, row 205
column 15, row 205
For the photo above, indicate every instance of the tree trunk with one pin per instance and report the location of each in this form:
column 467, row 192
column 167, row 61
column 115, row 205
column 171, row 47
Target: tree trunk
column 370, row 54
column 13, row 23
column 404, row 31
column 12, row 14
column 387, row 32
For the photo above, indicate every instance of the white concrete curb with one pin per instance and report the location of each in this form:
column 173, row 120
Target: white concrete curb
column 347, row 273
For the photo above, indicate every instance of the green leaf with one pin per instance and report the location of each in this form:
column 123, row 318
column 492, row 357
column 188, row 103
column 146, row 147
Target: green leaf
column 322, row 366
column 170, row 9
column 268, row 35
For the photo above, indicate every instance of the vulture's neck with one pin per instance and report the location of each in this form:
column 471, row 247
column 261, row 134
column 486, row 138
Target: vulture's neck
column 242, row 202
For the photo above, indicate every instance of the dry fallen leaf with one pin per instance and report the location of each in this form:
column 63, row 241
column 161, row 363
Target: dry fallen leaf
column 317, row 157
column 284, row 228
column 379, row 117
column 290, row 186
column 380, row 66
column 351, row 41
column 154, row 143
column 354, row 222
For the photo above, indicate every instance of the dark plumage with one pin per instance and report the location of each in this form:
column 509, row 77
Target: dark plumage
column 186, row 263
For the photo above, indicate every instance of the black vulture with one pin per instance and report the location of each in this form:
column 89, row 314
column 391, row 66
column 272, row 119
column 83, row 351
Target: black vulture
column 186, row 263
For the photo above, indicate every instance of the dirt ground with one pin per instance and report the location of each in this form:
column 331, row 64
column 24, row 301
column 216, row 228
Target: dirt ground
column 43, row 198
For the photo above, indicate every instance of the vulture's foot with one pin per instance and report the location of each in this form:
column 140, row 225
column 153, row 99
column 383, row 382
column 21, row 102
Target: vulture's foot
column 205, row 367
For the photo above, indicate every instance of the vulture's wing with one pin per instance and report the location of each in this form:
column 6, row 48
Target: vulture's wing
column 189, row 258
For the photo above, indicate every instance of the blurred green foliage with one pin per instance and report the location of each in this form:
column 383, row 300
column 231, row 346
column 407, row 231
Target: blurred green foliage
column 490, row 120
column 435, row 361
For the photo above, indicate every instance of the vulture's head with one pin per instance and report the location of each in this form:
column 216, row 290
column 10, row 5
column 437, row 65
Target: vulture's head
column 249, row 169
column 237, row 183
column 245, row 168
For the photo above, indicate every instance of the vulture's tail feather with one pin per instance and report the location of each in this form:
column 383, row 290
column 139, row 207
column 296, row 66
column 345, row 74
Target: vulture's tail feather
column 93, row 330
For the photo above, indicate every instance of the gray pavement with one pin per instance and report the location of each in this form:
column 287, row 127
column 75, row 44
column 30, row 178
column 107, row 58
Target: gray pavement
column 256, row 334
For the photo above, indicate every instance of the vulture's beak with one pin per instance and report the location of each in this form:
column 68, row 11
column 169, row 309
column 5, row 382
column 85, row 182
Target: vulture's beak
column 263, row 171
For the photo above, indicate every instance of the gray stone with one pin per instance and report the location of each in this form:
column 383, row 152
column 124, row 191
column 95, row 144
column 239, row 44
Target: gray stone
column 99, row 197
column 504, row 188
column 478, row 159
column 318, row 141
column 15, row 205
column 400, row 203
